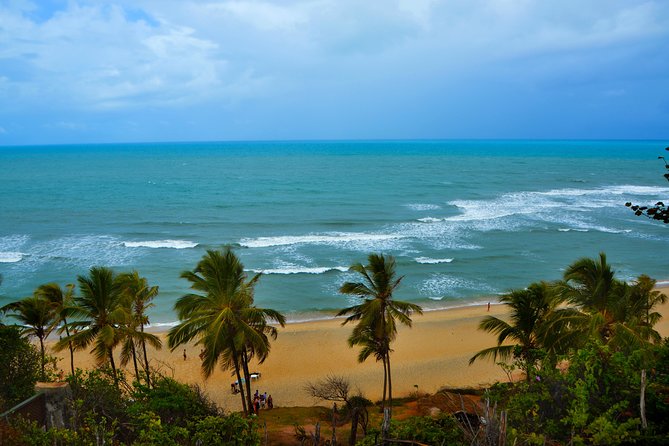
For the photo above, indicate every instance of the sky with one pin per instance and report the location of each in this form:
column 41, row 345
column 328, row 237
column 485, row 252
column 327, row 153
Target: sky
column 188, row 70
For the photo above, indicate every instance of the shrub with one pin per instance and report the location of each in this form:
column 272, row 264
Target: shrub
column 441, row 430
column 173, row 402
column 231, row 430
column 19, row 370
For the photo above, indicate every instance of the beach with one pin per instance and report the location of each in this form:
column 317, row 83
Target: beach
column 432, row 354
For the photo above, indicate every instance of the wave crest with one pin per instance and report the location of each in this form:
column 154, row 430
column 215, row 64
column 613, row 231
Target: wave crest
column 428, row 260
column 315, row 239
column 301, row 270
column 11, row 257
column 173, row 244
column 423, row 206
column 429, row 220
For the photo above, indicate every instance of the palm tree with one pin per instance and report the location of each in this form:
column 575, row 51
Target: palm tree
column 378, row 313
column 612, row 311
column 100, row 316
column 528, row 328
column 61, row 302
column 137, row 295
column 36, row 317
column 222, row 318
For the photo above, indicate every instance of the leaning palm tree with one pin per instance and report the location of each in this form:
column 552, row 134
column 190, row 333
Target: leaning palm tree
column 378, row 313
column 100, row 316
column 36, row 317
column 613, row 312
column 221, row 318
column 137, row 296
column 528, row 327
column 62, row 304
column 257, row 344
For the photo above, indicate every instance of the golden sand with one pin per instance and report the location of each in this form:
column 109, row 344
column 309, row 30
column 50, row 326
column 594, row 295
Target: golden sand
column 432, row 354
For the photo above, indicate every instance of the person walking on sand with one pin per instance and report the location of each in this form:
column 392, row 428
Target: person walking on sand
column 185, row 354
column 488, row 306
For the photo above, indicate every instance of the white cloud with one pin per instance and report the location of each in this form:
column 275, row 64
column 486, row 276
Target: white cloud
column 260, row 56
column 95, row 57
column 262, row 15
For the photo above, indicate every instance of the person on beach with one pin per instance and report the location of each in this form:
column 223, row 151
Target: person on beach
column 185, row 354
column 270, row 403
column 488, row 306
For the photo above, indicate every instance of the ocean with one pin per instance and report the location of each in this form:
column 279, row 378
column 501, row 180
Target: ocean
column 465, row 220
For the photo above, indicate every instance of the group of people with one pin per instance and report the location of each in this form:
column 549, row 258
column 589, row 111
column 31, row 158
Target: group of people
column 262, row 401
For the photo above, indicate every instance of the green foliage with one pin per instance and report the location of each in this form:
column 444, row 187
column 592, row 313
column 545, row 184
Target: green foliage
column 92, row 432
column 232, row 430
column 657, row 396
column 377, row 314
column 173, row 402
column 443, row 429
column 151, row 431
column 96, row 396
column 594, row 402
column 222, row 318
column 20, row 367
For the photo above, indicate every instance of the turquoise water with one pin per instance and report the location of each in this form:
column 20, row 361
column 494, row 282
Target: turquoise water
column 466, row 220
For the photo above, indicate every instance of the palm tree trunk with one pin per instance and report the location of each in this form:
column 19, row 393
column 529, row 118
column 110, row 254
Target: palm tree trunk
column 642, row 400
column 67, row 333
column 113, row 366
column 146, row 359
column 41, row 344
column 390, row 386
column 134, row 360
column 235, row 359
column 247, row 376
column 385, row 383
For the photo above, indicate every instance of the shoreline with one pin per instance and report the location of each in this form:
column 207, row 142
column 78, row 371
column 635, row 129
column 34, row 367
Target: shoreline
column 434, row 353
column 327, row 315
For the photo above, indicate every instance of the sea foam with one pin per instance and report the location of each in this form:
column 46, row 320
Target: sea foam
column 10, row 257
column 315, row 239
column 300, row 270
column 428, row 260
column 429, row 220
column 173, row 244
column 423, row 206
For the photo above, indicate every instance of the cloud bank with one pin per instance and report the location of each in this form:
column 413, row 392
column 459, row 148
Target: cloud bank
column 142, row 70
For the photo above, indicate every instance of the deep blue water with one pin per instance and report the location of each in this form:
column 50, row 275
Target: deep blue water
column 466, row 220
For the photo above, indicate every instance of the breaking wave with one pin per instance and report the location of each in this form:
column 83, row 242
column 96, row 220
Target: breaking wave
column 11, row 257
column 300, row 270
column 428, row 260
column 173, row 244
column 316, row 239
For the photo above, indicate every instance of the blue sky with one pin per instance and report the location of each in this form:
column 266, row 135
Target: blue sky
column 190, row 70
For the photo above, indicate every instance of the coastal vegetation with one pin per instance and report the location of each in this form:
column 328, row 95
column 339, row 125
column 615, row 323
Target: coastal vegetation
column 223, row 319
column 585, row 362
column 377, row 317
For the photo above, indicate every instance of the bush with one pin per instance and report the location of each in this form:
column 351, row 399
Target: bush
column 96, row 396
column 173, row 402
column 231, row 430
column 441, row 430
column 19, row 370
